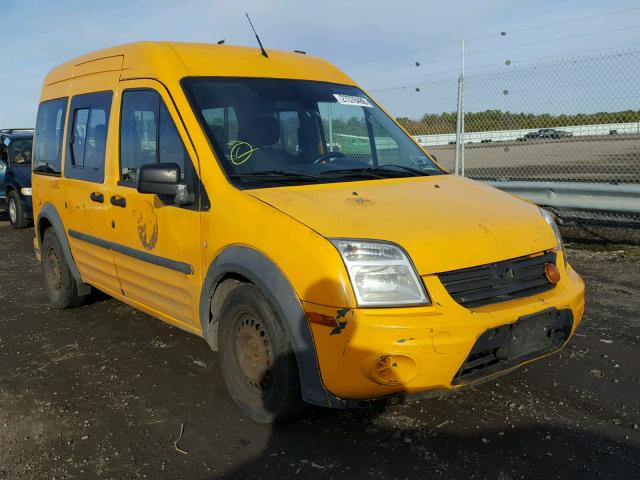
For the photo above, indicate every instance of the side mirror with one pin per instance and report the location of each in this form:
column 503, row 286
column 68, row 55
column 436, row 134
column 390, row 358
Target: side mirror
column 159, row 178
column 163, row 179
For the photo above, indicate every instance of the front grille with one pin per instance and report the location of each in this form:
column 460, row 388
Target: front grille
column 499, row 282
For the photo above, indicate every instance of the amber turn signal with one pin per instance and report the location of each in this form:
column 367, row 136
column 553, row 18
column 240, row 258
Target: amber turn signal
column 552, row 273
column 321, row 319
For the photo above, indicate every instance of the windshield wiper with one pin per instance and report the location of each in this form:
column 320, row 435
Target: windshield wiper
column 417, row 171
column 277, row 175
column 378, row 172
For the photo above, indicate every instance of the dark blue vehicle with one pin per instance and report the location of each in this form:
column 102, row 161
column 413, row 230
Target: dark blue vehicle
column 15, row 175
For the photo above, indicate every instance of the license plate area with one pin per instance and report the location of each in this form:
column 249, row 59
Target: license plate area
column 507, row 345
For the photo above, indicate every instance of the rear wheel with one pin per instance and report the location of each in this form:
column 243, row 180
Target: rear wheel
column 61, row 287
column 17, row 213
column 257, row 361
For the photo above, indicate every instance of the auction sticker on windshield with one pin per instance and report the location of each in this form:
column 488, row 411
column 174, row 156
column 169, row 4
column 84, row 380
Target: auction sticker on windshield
column 352, row 100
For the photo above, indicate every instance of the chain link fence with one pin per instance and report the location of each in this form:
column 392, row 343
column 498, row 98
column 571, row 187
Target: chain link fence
column 565, row 120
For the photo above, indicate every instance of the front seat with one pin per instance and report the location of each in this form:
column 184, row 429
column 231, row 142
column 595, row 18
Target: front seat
column 262, row 135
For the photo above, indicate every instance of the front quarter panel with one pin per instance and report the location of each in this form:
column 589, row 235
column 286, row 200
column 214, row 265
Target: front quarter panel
column 288, row 261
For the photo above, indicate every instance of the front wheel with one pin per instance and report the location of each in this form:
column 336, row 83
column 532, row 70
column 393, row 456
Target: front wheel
column 17, row 212
column 61, row 287
column 257, row 361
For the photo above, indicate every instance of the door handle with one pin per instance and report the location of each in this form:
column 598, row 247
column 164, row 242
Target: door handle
column 97, row 197
column 118, row 201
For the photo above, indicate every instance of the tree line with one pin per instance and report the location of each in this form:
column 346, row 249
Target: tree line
column 488, row 120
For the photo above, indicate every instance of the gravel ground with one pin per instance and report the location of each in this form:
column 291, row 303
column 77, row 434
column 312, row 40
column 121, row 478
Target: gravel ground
column 103, row 391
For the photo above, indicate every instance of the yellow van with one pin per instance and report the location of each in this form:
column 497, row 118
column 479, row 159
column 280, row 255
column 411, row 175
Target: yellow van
column 269, row 205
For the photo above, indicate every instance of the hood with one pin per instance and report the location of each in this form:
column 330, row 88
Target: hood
column 22, row 173
column 444, row 222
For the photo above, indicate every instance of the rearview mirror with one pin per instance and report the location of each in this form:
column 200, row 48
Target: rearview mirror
column 159, row 178
column 163, row 179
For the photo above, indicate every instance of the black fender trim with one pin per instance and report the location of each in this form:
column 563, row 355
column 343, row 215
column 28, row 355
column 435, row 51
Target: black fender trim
column 262, row 272
column 49, row 212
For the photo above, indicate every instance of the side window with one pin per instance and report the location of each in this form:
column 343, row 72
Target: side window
column 47, row 149
column 171, row 148
column 149, row 135
column 289, row 131
column 87, row 136
column 345, row 130
column 387, row 149
column 79, row 136
column 138, row 132
column 223, row 124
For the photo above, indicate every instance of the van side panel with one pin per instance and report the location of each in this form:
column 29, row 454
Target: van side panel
column 86, row 207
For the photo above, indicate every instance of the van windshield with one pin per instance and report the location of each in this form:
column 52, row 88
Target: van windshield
column 20, row 150
column 270, row 132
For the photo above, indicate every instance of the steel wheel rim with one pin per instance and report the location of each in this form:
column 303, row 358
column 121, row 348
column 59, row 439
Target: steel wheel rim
column 254, row 352
column 53, row 275
column 13, row 211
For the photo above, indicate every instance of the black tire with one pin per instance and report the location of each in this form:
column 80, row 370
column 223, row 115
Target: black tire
column 256, row 358
column 61, row 287
column 15, row 209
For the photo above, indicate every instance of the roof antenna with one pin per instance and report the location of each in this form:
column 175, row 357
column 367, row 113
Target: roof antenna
column 264, row 52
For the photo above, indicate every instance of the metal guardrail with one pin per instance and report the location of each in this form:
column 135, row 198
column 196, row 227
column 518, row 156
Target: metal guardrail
column 596, row 197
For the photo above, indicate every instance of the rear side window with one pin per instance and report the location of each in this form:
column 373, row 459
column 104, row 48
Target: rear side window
column 47, row 149
column 149, row 135
column 87, row 136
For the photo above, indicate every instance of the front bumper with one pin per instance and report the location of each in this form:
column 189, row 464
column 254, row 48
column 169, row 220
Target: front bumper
column 394, row 353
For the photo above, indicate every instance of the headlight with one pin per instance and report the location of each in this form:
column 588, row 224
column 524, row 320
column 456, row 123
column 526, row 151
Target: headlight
column 552, row 223
column 381, row 273
column 25, row 191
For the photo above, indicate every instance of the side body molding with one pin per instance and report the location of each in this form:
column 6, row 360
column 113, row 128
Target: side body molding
column 260, row 270
column 49, row 212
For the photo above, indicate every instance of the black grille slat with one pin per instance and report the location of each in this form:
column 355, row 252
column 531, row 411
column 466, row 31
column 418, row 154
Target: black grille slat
column 500, row 281
column 501, row 292
column 463, row 286
column 528, row 272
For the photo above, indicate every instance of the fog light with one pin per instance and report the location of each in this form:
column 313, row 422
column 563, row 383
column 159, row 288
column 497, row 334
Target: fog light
column 552, row 273
column 394, row 369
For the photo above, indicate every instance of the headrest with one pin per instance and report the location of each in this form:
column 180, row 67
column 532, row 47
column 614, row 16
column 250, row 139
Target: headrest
column 100, row 131
column 265, row 130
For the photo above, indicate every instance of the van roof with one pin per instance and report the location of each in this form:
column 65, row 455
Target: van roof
column 179, row 59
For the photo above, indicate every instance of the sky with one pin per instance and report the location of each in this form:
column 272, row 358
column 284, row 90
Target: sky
column 378, row 43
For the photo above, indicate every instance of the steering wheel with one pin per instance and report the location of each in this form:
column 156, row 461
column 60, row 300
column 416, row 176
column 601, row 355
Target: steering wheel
column 326, row 156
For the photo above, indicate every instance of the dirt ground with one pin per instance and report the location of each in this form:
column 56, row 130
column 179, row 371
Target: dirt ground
column 103, row 391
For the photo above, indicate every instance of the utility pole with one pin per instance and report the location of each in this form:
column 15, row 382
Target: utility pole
column 458, row 168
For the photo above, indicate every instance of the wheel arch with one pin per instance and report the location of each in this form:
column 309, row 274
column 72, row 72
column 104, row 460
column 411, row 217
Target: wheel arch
column 242, row 264
column 48, row 217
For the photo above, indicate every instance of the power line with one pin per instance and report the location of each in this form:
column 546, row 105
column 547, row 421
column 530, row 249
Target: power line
column 396, row 54
column 562, row 22
column 570, row 37
column 483, row 37
column 433, row 76
column 521, row 45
